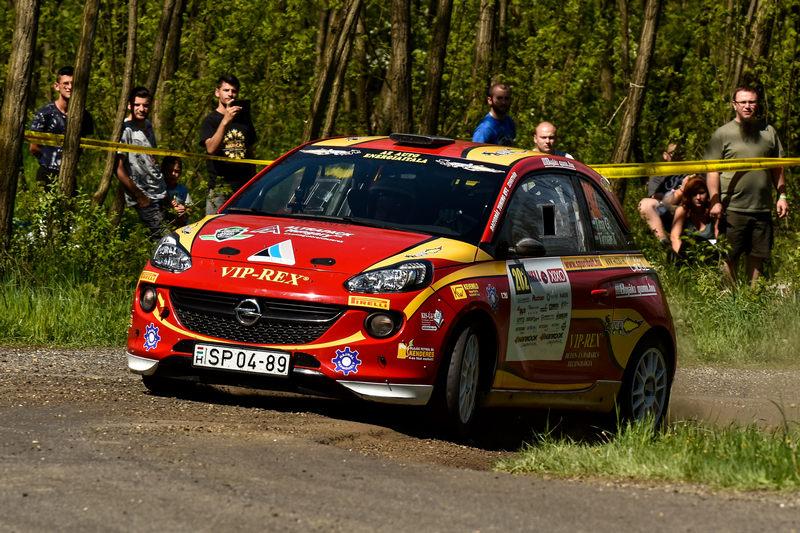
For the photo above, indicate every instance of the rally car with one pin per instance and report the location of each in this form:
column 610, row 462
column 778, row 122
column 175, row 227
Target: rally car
column 413, row 270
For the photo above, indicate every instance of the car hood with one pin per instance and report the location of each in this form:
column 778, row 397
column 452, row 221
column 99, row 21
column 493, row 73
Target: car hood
column 316, row 245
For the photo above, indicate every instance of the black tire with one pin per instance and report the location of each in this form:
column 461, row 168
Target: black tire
column 167, row 387
column 461, row 383
column 646, row 383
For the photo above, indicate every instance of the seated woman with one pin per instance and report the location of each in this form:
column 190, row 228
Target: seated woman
column 692, row 216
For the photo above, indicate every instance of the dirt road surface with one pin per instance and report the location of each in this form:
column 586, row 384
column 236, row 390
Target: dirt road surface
column 85, row 447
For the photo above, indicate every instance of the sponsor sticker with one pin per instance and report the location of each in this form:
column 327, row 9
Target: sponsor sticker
column 631, row 290
column 281, row 253
column 366, row 301
column 151, row 337
column 407, row 157
column 494, row 300
column 234, row 233
column 464, row 290
column 466, row 166
column 148, row 277
column 621, row 326
column 266, row 274
column 330, row 151
column 319, row 234
column 432, row 321
column 414, row 353
column 426, row 251
column 346, row 361
column 546, row 161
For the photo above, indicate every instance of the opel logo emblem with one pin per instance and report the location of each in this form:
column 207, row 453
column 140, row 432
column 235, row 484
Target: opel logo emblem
column 248, row 312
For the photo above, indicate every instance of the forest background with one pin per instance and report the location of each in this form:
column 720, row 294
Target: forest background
column 620, row 79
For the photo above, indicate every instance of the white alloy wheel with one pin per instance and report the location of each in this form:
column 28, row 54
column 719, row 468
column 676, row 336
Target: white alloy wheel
column 468, row 384
column 649, row 386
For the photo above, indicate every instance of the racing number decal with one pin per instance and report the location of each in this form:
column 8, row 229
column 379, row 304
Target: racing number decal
column 541, row 305
column 519, row 279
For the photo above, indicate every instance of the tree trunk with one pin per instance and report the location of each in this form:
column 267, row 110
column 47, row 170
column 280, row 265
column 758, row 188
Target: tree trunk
column 433, row 86
column 401, row 61
column 340, row 33
column 162, row 117
column 740, row 65
column 630, row 118
column 159, row 45
column 12, row 122
column 501, row 43
column 623, row 46
column 482, row 63
column 336, row 92
column 322, row 35
column 362, row 85
column 381, row 120
column 77, row 102
column 122, row 107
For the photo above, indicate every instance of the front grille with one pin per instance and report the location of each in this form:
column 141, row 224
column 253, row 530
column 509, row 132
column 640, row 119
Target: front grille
column 282, row 322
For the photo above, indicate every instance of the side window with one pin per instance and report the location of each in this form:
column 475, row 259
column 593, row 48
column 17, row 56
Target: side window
column 544, row 207
column 606, row 230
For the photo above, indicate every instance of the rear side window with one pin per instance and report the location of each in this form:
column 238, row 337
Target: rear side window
column 545, row 207
column 607, row 232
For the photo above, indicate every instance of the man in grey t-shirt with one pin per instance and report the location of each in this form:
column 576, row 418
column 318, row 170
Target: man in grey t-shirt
column 145, row 188
column 742, row 200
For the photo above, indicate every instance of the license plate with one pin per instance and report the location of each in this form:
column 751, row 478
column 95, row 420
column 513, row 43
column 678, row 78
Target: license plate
column 241, row 359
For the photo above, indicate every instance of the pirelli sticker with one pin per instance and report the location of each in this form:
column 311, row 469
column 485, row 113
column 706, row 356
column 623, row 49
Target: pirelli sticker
column 148, row 277
column 366, row 301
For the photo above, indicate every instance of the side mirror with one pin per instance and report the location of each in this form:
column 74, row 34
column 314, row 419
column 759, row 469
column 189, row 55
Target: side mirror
column 528, row 247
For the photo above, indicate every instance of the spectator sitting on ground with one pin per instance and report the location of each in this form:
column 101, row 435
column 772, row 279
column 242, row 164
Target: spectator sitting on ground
column 171, row 169
column 692, row 216
column 664, row 197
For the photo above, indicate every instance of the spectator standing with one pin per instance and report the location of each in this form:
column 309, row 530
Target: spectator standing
column 742, row 200
column 145, row 189
column 227, row 131
column 665, row 195
column 52, row 118
column 171, row 169
column 497, row 127
column 545, row 140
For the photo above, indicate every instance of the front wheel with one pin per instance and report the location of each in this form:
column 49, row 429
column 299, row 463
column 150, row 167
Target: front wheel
column 461, row 386
column 646, row 384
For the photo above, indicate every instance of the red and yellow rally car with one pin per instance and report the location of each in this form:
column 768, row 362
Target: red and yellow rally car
column 412, row 270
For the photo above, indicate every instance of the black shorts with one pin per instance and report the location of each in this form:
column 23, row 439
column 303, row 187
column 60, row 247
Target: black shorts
column 748, row 233
column 48, row 177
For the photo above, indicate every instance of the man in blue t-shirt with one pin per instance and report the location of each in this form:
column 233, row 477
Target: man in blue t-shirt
column 496, row 127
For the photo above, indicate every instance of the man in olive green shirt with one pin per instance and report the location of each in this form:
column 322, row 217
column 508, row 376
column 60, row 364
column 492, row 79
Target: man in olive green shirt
column 742, row 200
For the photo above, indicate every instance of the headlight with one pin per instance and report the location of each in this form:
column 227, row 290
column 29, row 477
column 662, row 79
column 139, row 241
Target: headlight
column 170, row 255
column 399, row 278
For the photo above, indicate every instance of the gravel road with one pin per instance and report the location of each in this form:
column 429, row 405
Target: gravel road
column 78, row 431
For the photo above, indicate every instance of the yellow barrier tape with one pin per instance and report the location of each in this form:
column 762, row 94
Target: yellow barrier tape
column 637, row 170
column 628, row 170
column 53, row 139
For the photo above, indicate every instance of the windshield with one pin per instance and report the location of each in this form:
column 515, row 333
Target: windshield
column 402, row 190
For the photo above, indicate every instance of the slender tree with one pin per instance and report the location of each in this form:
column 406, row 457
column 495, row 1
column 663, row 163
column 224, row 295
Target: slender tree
column 12, row 122
column 122, row 107
column 401, row 66
column 341, row 31
column 162, row 116
column 624, row 60
column 623, row 146
column 77, row 101
column 160, row 45
column 433, row 86
column 482, row 62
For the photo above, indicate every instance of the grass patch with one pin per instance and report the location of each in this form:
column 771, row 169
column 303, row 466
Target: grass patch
column 733, row 458
column 66, row 314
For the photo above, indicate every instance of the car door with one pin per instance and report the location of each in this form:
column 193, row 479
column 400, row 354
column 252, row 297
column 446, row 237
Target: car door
column 546, row 208
column 629, row 290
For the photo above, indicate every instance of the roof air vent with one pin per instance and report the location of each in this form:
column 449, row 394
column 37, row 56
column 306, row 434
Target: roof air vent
column 420, row 140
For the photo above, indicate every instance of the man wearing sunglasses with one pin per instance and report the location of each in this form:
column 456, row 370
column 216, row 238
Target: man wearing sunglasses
column 742, row 200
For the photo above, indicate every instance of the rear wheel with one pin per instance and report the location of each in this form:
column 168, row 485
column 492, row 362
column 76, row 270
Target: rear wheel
column 461, row 386
column 646, row 384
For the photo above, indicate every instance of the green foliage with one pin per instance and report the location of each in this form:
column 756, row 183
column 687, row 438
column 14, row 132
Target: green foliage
column 738, row 458
column 52, row 244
